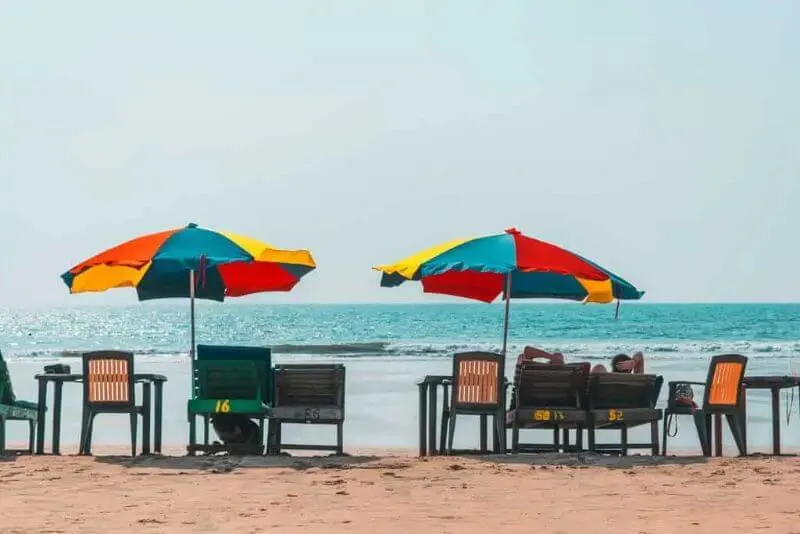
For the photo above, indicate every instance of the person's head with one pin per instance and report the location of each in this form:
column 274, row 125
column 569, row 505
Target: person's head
column 619, row 364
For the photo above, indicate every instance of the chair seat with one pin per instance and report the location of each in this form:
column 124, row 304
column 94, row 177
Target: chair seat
column 545, row 417
column 19, row 410
column 627, row 417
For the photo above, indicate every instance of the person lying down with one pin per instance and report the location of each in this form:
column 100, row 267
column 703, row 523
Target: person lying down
column 621, row 363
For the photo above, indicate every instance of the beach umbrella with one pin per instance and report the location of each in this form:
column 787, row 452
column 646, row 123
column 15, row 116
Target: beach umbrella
column 511, row 264
column 191, row 262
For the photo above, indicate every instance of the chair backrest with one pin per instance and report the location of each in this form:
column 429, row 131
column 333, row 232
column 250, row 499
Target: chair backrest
column 108, row 378
column 6, row 390
column 261, row 356
column 548, row 385
column 320, row 385
column 622, row 390
column 478, row 380
column 228, row 379
column 724, row 382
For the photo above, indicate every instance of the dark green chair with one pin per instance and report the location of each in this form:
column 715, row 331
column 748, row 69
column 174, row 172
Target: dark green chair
column 12, row 409
column 307, row 394
column 620, row 401
column 228, row 380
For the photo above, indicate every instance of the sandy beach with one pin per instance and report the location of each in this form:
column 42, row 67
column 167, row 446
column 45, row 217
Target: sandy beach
column 399, row 493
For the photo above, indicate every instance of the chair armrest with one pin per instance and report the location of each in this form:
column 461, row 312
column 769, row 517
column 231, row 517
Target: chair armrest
column 676, row 382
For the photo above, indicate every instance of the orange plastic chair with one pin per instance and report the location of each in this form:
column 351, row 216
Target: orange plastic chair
column 724, row 395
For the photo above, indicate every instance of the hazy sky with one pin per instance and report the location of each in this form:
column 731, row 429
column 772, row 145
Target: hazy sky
column 660, row 139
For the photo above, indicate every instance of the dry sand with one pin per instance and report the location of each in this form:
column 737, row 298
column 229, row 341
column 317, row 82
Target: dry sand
column 397, row 493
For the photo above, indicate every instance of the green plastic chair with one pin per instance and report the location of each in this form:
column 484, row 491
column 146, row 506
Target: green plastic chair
column 228, row 380
column 12, row 409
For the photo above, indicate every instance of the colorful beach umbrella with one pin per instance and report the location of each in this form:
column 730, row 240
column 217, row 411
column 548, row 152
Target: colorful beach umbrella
column 191, row 262
column 511, row 264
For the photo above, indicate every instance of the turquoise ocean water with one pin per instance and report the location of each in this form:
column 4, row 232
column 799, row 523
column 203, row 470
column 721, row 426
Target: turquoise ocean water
column 388, row 347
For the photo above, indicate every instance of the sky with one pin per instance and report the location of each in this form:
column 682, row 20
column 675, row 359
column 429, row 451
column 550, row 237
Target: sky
column 658, row 139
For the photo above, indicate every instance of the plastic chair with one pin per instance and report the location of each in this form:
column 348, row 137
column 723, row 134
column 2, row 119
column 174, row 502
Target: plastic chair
column 479, row 389
column 108, row 387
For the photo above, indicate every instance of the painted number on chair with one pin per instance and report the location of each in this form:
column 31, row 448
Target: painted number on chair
column 223, row 406
column 541, row 415
column 311, row 414
column 615, row 415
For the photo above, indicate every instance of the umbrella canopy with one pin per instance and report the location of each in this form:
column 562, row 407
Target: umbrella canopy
column 191, row 262
column 481, row 269
column 511, row 264
column 160, row 265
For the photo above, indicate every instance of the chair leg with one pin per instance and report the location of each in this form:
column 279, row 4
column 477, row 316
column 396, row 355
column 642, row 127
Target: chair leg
column 87, row 439
column 654, row 438
column 192, row 434
column 31, row 435
column 591, row 436
column 515, row 436
column 484, row 424
column 579, row 438
column 134, row 424
column 451, row 433
column 500, row 433
column 664, row 434
column 340, row 438
column 556, row 441
column 2, row 435
column 735, row 424
column 206, row 430
column 623, row 434
column 702, row 422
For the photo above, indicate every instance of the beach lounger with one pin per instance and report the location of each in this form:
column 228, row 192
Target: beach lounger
column 724, row 395
column 478, row 389
column 548, row 396
column 229, row 380
column 622, row 401
column 12, row 409
column 109, row 387
column 307, row 394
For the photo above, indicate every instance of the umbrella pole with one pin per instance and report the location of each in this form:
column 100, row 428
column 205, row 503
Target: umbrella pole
column 508, row 305
column 191, row 313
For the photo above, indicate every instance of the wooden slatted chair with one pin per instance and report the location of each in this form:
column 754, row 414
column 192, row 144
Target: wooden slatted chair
column 108, row 387
column 307, row 394
column 548, row 396
column 724, row 395
column 620, row 401
column 479, row 389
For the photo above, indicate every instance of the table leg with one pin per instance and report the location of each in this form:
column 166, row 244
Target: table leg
column 432, row 403
column 423, row 420
column 159, row 409
column 59, row 389
column 718, row 434
column 147, row 406
column 776, row 421
column 41, row 411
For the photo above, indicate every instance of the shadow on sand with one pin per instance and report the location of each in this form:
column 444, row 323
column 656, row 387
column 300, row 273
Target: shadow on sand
column 589, row 459
column 227, row 463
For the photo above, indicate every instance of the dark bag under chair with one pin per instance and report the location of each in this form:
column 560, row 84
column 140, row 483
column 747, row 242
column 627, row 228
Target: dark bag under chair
column 238, row 433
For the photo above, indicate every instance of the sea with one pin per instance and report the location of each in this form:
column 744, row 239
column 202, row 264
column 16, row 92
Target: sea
column 387, row 349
